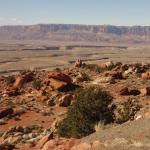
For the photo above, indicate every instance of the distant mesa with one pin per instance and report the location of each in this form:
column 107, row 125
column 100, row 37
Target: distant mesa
column 67, row 32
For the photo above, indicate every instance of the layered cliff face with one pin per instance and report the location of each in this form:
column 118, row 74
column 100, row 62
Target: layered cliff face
column 64, row 32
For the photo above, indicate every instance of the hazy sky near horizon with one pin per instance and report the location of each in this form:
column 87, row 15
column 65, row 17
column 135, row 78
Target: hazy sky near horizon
column 114, row 12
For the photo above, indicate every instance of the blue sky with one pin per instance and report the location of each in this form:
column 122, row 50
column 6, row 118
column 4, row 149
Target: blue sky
column 115, row 12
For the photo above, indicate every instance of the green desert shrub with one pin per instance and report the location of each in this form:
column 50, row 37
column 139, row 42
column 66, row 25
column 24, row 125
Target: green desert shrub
column 94, row 67
column 90, row 107
column 126, row 111
column 36, row 84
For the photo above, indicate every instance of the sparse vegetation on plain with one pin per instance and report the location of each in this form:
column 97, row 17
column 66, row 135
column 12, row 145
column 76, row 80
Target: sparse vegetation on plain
column 90, row 107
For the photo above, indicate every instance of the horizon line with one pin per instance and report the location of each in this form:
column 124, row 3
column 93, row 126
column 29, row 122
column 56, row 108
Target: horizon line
column 74, row 24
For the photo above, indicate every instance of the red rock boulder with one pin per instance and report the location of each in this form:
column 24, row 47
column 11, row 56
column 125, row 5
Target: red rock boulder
column 18, row 82
column 21, row 79
column 60, row 76
column 146, row 76
column 57, row 84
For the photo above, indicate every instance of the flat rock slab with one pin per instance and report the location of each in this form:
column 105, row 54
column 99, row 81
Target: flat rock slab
column 133, row 135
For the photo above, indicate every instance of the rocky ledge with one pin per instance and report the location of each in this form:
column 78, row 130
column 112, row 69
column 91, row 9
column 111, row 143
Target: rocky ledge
column 33, row 103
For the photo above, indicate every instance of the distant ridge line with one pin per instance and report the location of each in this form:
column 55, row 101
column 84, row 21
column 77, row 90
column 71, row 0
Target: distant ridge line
column 76, row 32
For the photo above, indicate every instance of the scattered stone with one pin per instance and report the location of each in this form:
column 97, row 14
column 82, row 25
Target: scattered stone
column 2, row 122
column 5, row 112
column 78, row 63
column 25, row 137
column 138, row 117
column 127, row 72
column 21, row 79
column 145, row 91
column 146, row 76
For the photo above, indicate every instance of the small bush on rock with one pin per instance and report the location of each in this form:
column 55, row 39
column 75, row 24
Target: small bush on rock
column 94, row 67
column 36, row 84
column 90, row 107
column 126, row 111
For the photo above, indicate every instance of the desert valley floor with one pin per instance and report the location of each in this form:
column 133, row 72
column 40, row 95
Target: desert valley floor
column 32, row 55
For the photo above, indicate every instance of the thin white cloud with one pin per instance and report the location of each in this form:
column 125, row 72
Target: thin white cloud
column 10, row 21
column 13, row 19
column 1, row 19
